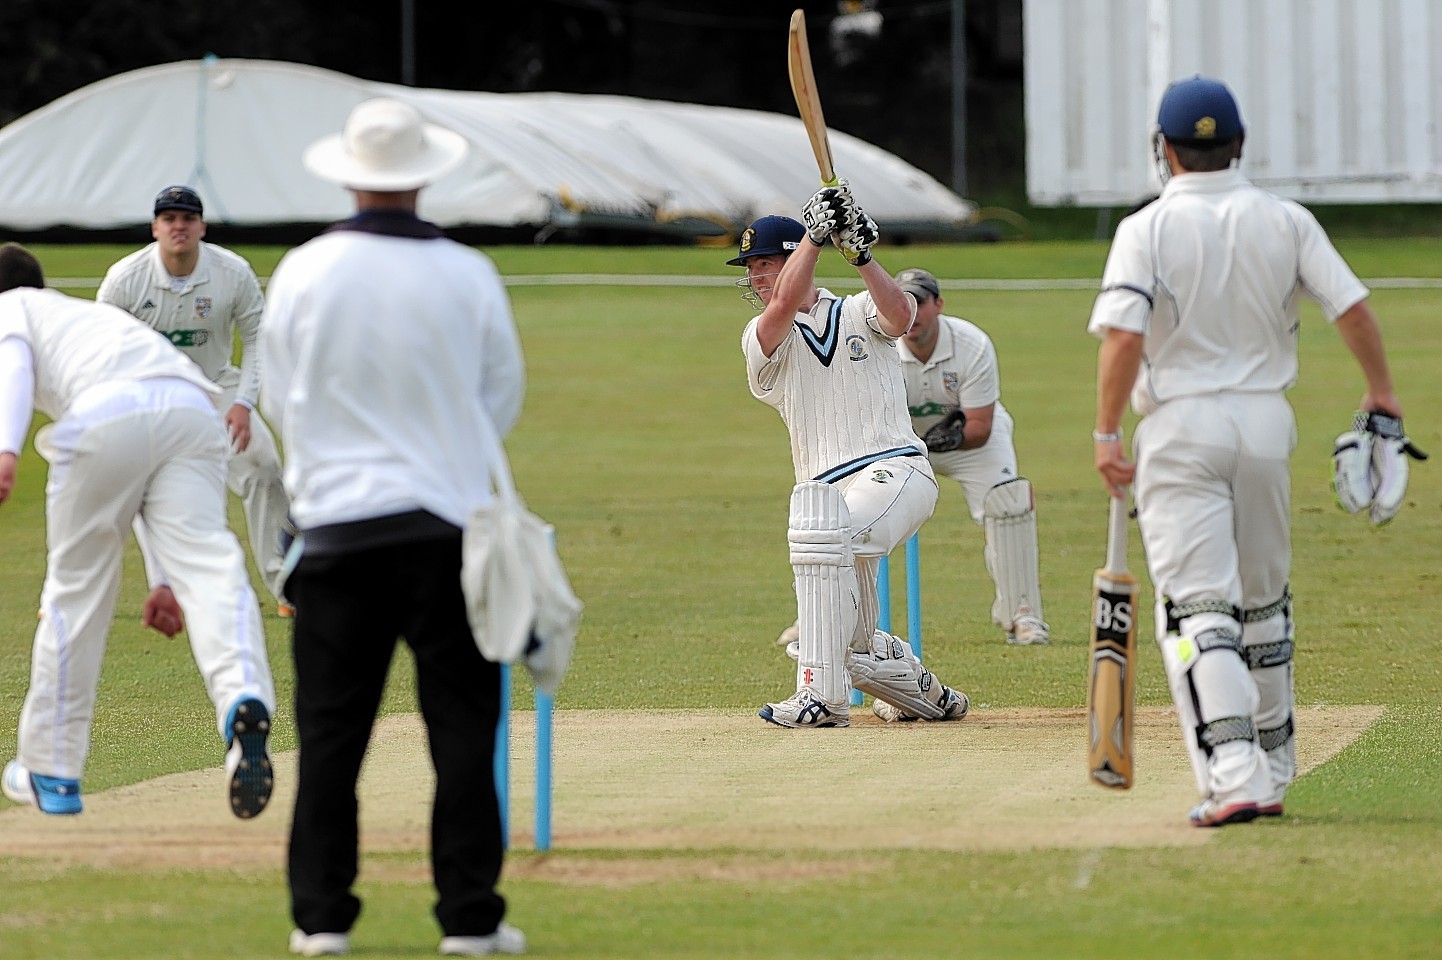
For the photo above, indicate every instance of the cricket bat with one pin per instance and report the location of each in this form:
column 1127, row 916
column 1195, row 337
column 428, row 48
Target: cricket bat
column 1112, row 674
column 808, row 99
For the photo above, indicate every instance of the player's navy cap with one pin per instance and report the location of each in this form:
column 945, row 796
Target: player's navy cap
column 1199, row 110
column 766, row 236
column 918, row 283
column 178, row 198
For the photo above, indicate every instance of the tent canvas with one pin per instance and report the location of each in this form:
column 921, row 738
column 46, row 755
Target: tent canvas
column 235, row 129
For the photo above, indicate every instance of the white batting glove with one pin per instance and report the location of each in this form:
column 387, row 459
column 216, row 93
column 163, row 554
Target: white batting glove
column 826, row 212
column 857, row 238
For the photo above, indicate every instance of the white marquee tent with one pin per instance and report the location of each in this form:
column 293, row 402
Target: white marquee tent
column 235, row 129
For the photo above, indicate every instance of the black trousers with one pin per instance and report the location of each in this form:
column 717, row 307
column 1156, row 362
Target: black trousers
column 350, row 610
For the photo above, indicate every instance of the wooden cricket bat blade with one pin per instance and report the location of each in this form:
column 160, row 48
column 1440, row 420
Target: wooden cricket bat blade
column 1111, row 674
column 808, row 99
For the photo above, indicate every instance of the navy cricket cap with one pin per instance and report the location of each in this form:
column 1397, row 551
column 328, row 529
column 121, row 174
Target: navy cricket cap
column 918, row 283
column 1199, row 110
column 766, row 236
column 178, row 198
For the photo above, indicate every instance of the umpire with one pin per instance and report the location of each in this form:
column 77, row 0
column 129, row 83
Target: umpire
column 375, row 421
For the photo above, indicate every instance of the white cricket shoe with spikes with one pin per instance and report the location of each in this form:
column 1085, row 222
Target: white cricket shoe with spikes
column 806, row 710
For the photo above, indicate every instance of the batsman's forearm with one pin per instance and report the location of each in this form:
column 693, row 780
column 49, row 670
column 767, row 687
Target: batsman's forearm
column 895, row 308
column 1118, row 361
column 1363, row 337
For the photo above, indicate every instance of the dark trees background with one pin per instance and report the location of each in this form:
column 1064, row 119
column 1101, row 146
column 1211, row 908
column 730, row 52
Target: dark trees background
column 883, row 66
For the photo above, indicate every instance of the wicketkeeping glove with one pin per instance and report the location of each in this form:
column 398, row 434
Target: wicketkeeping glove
column 856, row 238
column 948, row 433
column 828, row 210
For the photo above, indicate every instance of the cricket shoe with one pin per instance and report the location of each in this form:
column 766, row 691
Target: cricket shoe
column 806, row 710
column 319, row 944
column 248, row 769
column 955, row 704
column 506, row 939
column 1214, row 813
column 790, row 635
column 53, row 795
column 1028, row 631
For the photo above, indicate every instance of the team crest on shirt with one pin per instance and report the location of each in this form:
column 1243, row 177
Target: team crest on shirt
column 950, row 381
column 856, row 347
column 202, row 306
column 881, row 475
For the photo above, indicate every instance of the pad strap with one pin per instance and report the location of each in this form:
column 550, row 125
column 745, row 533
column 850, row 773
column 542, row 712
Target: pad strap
column 1275, row 608
column 1218, row 639
column 1265, row 655
column 1277, row 736
column 1177, row 612
column 1226, row 730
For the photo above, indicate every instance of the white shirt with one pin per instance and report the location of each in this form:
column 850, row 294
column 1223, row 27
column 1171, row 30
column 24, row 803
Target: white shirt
column 200, row 313
column 386, row 360
column 836, row 381
column 74, row 345
column 1212, row 273
column 962, row 372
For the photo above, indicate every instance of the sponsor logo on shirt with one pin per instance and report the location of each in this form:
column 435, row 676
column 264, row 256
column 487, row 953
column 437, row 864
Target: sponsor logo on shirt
column 187, row 338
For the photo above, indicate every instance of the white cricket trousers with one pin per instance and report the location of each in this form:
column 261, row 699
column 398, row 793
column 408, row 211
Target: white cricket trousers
column 254, row 475
column 888, row 502
column 155, row 448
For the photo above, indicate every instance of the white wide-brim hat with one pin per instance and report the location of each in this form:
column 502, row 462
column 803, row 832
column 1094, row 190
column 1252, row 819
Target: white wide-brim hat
column 385, row 146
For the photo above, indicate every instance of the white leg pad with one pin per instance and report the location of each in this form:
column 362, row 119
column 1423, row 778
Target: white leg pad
column 826, row 589
column 1216, row 700
column 1267, row 646
column 1009, row 516
column 891, row 672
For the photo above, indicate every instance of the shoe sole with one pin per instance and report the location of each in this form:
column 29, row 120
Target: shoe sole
column 765, row 714
column 253, row 778
column 1270, row 810
column 1232, row 813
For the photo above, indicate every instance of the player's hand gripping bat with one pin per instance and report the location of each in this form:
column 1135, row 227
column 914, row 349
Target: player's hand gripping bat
column 808, row 100
column 1112, row 674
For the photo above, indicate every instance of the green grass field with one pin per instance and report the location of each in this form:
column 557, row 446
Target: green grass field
column 668, row 486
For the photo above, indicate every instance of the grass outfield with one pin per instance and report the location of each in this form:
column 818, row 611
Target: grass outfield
column 668, row 486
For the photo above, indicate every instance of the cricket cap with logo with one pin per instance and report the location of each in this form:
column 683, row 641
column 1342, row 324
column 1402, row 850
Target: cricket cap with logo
column 918, row 283
column 178, row 197
column 767, row 236
column 1198, row 111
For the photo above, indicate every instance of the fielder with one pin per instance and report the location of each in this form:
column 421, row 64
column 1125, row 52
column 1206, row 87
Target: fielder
column 829, row 367
column 135, row 437
column 1198, row 315
column 953, row 390
column 198, row 294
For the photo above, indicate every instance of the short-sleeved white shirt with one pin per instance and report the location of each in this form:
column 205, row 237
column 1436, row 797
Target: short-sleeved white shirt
column 836, row 381
column 1212, row 273
column 961, row 372
column 77, row 344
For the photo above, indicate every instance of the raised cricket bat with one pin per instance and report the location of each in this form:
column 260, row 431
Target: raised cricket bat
column 808, row 99
column 1112, row 675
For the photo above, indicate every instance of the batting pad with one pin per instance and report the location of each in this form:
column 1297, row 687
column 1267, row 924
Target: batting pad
column 1011, row 551
column 826, row 588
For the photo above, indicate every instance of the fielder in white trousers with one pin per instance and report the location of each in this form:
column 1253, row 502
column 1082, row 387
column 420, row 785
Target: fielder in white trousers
column 153, row 449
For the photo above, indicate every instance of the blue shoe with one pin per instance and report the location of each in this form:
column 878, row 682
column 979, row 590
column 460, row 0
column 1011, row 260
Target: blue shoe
column 53, row 795
column 247, row 758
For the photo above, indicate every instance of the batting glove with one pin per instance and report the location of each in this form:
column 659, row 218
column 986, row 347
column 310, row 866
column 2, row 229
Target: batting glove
column 1390, row 450
column 856, row 239
column 827, row 211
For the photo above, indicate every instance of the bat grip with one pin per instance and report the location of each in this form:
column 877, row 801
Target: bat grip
column 1117, row 535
